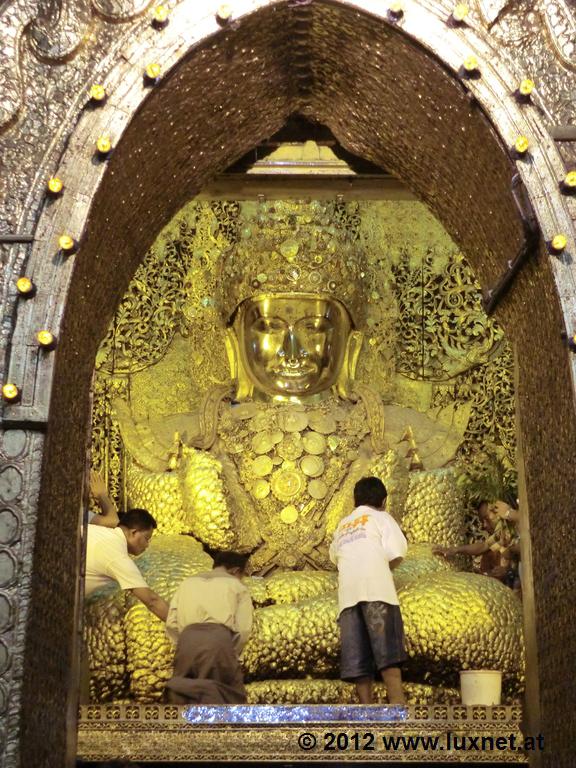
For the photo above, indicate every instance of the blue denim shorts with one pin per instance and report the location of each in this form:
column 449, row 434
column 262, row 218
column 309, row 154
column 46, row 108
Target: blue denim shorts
column 372, row 639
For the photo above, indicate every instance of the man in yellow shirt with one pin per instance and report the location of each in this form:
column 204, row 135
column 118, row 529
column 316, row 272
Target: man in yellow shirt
column 210, row 619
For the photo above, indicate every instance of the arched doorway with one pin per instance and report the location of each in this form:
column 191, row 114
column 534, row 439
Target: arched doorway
column 392, row 90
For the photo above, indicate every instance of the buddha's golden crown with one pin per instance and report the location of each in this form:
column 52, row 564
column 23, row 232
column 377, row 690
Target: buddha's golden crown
column 293, row 247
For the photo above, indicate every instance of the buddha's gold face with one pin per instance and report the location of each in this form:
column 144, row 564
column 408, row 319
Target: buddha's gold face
column 293, row 345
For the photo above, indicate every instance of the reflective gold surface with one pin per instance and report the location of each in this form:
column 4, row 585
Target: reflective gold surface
column 305, row 254
column 292, row 346
column 267, row 461
column 453, row 620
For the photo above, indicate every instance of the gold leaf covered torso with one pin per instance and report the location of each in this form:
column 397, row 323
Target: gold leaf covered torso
column 291, row 459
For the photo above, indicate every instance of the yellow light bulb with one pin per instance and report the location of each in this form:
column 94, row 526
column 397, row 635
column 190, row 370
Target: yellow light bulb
column 65, row 242
column 45, row 338
column 10, row 392
column 97, row 92
column 104, row 144
column 224, row 13
column 24, row 285
column 153, row 70
column 521, row 145
column 460, row 12
column 160, row 14
column 396, row 8
column 526, row 87
column 470, row 63
column 559, row 242
column 55, row 185
column 570, row 180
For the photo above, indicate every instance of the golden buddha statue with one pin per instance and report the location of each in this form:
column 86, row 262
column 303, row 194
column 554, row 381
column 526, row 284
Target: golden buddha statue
column 268, row 463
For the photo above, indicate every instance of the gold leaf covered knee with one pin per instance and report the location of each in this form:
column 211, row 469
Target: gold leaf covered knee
column 457, row 621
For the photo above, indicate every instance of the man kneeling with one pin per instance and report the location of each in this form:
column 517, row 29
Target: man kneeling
column 210, row 619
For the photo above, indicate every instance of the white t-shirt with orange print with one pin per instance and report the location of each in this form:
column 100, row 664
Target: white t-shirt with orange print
column 364, row 543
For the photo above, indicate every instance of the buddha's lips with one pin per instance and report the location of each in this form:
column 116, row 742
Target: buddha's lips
column 294, row 372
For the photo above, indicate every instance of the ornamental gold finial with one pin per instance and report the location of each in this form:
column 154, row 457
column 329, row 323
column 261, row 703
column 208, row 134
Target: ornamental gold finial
column 289, row 247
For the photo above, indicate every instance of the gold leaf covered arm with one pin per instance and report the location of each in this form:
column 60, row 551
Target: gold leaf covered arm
column 151, row 443
column 238, row 502
column 438, row 433
column 204, row 499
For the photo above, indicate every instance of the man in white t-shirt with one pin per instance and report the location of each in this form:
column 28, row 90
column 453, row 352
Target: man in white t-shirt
column 210, row 619
column 368, row 544
column 108, row 558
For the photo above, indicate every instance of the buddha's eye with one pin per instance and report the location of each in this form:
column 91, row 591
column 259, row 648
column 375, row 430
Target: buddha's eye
column 268, row 325
column 314, row 325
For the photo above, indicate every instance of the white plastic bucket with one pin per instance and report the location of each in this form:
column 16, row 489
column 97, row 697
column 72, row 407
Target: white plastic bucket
column 481, row 687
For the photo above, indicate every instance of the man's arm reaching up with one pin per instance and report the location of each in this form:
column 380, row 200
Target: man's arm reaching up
column 108, row 516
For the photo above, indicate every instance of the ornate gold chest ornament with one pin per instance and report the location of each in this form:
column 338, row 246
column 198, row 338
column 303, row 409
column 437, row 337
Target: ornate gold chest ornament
column 292, row 471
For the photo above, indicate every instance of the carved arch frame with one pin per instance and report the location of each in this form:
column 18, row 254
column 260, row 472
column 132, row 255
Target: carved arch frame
column 119, row 203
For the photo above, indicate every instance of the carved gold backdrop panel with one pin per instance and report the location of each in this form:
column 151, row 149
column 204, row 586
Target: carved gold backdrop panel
column 428, row 342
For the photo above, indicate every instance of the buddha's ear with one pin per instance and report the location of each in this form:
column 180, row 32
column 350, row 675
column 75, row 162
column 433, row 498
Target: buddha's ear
column 232, row 352
column 238, row 373
column 345, row 381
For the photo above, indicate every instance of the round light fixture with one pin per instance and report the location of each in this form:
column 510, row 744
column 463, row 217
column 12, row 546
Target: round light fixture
column 97, row 92
column 10, row 392
column 160, row 14
column 460, row 12
column 153, row 70
column 55, row 185
column 25, row 286
column 66, row 243
column 224, row 14
column 103, row 145
column 559, row 242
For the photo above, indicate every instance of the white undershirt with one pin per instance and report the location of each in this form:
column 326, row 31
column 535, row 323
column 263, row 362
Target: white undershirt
column 364, row 543
column 107, row 560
